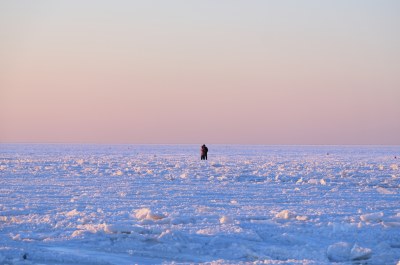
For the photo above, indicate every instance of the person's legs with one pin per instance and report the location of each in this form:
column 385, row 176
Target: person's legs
column 205, row 157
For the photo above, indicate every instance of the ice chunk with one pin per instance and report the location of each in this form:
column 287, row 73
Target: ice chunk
column 3, row 218
column 343, row 251
column 146, row 214
column 285, row 214
column 222, row 178
column 385, row 191
column 359, row 253
column 225, row 220
column 313, row 181
column 142, row 213
column 372, row 217
column 72, row 213
column 118, row 173
column 174, row 237
column 316, row 181
column 118, row 228
column 339, row 252
column 302, row 218
column 391, row 224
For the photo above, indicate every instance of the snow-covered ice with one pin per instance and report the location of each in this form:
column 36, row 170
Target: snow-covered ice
column 153, row 204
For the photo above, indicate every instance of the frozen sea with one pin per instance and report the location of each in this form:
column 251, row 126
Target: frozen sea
column 160, row 204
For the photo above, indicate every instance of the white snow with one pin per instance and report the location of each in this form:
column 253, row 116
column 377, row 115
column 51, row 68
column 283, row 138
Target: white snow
column 160, row 204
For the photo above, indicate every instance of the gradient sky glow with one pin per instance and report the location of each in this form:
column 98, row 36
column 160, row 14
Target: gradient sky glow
column 227, row 71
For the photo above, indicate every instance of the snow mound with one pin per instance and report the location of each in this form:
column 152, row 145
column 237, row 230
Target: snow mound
column 146, row 214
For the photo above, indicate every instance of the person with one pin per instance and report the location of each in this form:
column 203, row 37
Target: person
column 204, row 151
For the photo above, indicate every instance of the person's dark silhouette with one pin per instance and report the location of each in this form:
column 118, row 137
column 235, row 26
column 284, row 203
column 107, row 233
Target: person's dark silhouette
column 204, row 151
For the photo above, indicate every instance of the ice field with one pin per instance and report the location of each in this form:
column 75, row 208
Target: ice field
column 159, row 204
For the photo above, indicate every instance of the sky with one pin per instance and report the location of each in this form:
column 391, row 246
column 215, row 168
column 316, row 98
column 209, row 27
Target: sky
column 194, row 72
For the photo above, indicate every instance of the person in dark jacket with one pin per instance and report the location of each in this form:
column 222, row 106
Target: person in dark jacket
column 204, row 151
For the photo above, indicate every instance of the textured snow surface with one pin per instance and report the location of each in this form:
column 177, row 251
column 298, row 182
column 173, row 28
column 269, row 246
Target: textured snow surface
column 133, row 204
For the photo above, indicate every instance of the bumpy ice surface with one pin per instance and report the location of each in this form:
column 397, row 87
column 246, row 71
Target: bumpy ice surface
column 129, row 204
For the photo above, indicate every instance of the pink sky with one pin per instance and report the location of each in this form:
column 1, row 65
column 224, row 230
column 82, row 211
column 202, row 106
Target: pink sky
column 234, row 72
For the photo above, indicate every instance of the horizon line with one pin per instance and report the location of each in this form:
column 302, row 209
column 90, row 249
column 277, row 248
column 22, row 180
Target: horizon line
column 234, row 144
